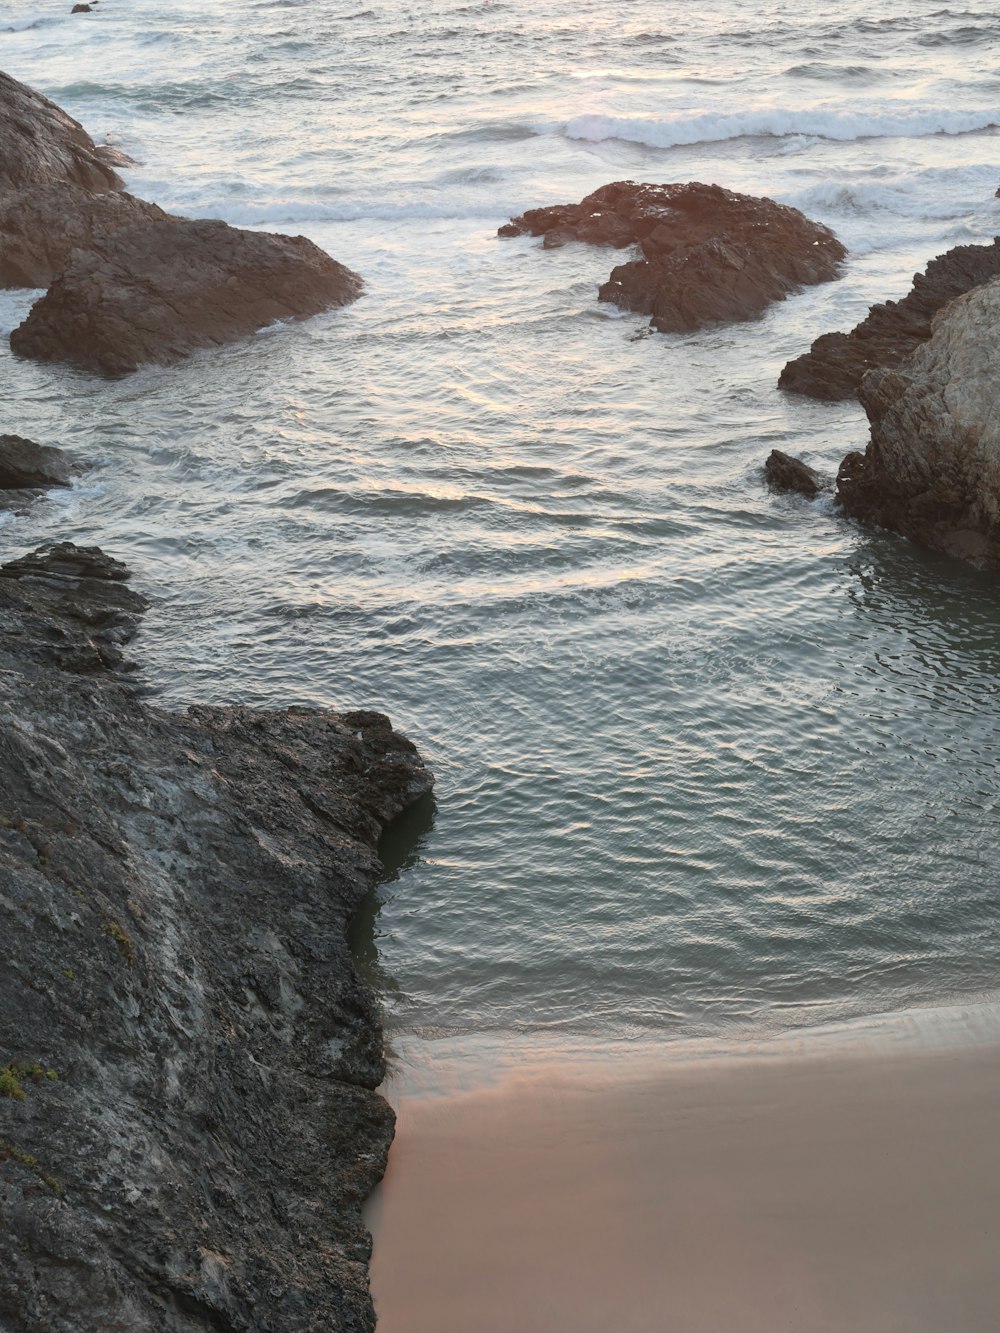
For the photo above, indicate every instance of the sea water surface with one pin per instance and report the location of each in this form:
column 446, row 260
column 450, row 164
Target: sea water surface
column 711, row 763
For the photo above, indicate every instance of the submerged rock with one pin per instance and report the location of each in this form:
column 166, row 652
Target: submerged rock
column 40, row 143
column 40, row 227
column 833, row 367
column 785, row 473
column 932, row 468
column 188, row 1121
column 708, row 254
column 155, row 292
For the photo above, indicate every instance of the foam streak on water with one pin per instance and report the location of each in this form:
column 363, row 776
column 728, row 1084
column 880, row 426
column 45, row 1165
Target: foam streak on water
column 710, row 762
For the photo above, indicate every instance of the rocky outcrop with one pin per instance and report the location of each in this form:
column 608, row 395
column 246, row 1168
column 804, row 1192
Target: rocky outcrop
column 41, row 226
column 40, row 143
column 155, row 292
column 834, row 366
column 932, row 468
column 783, row 472
column 188, row 1121
column 28, row 469
column 708, row 254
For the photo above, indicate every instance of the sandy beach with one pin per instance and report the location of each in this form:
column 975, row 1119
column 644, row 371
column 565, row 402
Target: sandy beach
column 816, row 1191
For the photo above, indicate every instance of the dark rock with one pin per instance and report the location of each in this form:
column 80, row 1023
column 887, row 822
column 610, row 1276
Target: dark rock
column 26, row 464
column 932, row 468
column 188, row 1121
column 41, row 226
column 708, row 254
column 40, row 143
column 154, row 292
column 67, row 606
column 833, row 367
column 785, row 473
column 82, row 9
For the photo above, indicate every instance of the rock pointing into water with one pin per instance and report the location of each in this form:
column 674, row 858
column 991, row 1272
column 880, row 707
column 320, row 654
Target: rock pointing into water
column 28, row 469
column 932, row 469
column 708, row 254
column 188, row 1121
column 155, row 292
column 833, row 367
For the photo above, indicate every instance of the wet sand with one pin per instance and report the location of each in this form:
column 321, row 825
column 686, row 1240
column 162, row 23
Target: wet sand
column 829, row 1191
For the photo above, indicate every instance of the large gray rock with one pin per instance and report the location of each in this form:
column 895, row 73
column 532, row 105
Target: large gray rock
column 41, row 226
column 708, row 254
column 27, row 470
column 155, row 292
column 40, row 143
column 836, row 363
column 188, row 1121
column 932, row 468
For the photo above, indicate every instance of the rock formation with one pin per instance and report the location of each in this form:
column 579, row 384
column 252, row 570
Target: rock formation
column 708, row 254
column 28, row 469
column 833, row 367
column 785, row 473
column 188, row 1121
column 932, row 468
column 40, row 143
column 154, row 292
column 128, row 284
column 40, row 227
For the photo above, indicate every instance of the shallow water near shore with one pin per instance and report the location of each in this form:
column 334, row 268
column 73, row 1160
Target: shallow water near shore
column 713, row 765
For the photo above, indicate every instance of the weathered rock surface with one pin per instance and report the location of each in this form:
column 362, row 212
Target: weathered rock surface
column 833, row 367
column 932, row 468
column 40, row 143
column 708, row 254
column 786, row 473
column 41, row 226
column 188, row 1121
column 155, row 292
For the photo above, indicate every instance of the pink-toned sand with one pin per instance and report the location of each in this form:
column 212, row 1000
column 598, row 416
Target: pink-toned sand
column 836, row 1194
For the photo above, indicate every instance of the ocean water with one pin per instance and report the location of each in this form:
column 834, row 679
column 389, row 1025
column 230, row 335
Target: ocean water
column 711, row 763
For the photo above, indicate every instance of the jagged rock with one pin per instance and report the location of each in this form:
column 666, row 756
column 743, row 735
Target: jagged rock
column 41, row 226
column 188, row 1121
column 40, row 143
column 708, row 254
column 833, row 367
column 932, row 468
column 154, row 292
column 67, row 606
column 785, row 473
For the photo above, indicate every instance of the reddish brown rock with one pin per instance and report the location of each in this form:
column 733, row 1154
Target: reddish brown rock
column 834, row 366
column 154, row 292
column 42, row 225
column 40, row 143
column 708, row 254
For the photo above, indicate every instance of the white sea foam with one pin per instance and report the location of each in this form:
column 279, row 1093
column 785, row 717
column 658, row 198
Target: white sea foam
column 778, row 122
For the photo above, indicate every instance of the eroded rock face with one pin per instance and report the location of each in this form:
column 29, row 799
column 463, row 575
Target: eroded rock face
column 154, row 292
column 40, row 143
column 708, row 254
column 834, row 366
column 932, row 468
column 188, row 1121
column 41, row 226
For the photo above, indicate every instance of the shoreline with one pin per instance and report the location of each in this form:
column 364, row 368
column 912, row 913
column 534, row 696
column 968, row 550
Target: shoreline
column 805, row 1184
